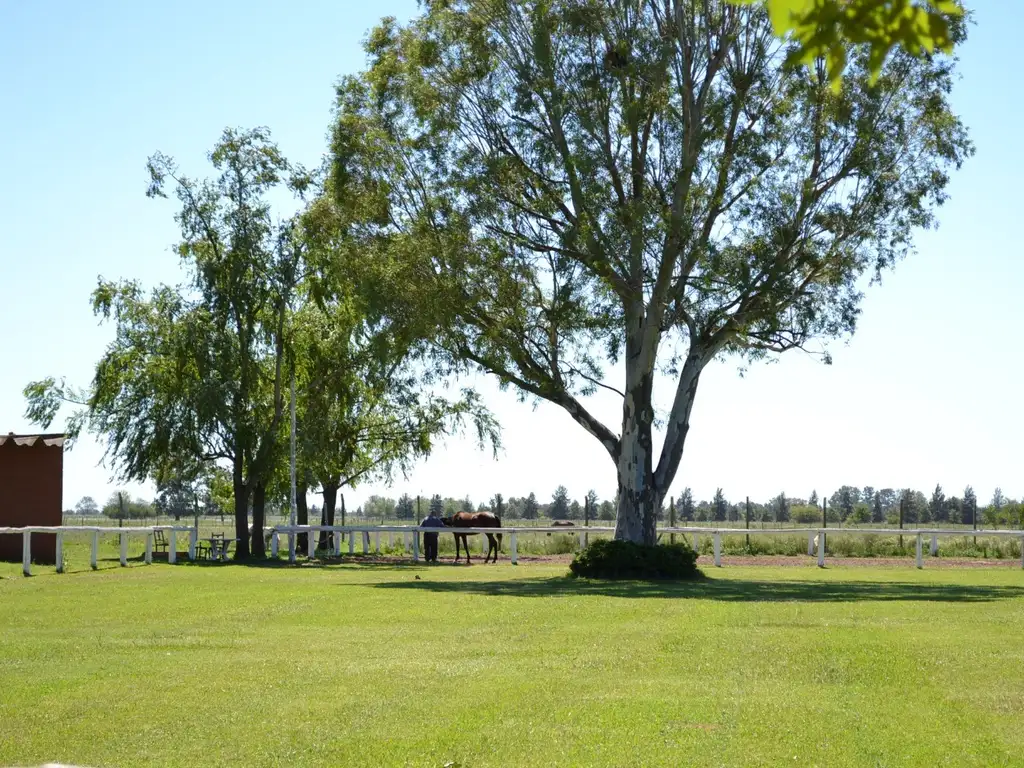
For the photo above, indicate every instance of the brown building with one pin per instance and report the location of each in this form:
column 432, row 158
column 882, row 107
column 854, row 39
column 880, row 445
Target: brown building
column 31, row 492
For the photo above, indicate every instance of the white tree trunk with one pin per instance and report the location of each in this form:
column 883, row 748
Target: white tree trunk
column 642, row 484
column 638, row 497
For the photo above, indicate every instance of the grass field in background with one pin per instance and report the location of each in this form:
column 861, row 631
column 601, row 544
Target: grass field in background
column 501, row 665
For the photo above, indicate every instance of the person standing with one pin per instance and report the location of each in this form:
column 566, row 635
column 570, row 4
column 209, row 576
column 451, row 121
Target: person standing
column 430, row 539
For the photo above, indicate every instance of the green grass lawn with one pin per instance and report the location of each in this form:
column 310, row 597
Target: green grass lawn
column 510, row 666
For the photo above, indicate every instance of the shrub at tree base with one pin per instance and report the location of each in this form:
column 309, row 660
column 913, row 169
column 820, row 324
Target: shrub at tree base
column 611, row 559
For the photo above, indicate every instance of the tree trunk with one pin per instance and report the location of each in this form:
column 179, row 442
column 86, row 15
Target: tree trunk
column 330, row 493
column 259, row 503
column 638, row 497
column 301, row 513
column 641, row 486
column 241, row 518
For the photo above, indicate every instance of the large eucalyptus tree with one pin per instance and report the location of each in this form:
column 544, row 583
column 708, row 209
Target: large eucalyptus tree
column 657, row 180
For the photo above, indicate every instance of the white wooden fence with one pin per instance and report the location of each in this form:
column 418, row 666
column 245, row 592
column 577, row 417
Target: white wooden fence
column 124, row 533
column 816, row 537
column 409, row 538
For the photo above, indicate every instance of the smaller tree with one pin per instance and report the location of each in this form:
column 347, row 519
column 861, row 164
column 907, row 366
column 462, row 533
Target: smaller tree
column 575, row 510
column 592, row 503
column 720, row 507
column 969, row 510
column 813, row 501
column 436, row 505
column 118, row 506
column 530, row 507
column 87, row 506
column 954, row 507
column 405, row 509
column 937, row 505
column 687, row 510
column 560, row 504
column 498, row 505
column 781, row 506
column 607, row 511
column 877, row 513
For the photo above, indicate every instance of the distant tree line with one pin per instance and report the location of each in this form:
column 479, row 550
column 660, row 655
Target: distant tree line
column 848, row 505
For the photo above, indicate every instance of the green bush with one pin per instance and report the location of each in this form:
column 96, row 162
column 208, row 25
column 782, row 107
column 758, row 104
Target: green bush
column 611, row 559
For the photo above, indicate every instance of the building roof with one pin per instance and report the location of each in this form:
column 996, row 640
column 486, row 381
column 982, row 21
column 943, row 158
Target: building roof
column 49, row 440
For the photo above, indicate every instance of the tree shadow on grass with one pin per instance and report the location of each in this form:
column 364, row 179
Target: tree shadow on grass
column 727, row 590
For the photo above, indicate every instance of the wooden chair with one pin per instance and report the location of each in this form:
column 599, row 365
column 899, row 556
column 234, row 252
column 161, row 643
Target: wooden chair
column 159, row 541
column 220, row 543
column 202, row 549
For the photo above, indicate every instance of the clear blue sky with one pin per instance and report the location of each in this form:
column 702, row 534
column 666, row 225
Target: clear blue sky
column 927, row 391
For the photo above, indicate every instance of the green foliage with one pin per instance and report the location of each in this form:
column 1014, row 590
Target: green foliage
column 436, row 505
column 559, row 509
column 805, row 514
column 827, row 28
column 530, row 507
column 87, row 506
column 533, row 183
column 612, row 559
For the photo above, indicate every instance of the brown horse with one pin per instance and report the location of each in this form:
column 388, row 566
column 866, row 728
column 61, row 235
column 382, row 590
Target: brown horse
column 475, row 520
column 561, row 523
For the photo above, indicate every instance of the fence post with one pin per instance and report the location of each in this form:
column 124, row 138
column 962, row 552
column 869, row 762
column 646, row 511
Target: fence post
column 376, row 541
column 172, row 548
column 60, row 553
column 671, row 518
column 149, row 547
column 748, row 523
column 901, row 523
column 935, row 545
column 93, row 556
column 337, row 543
column 583, row 544
column 366, row 542
column 810, row 543
column 193, row 535
column 124, row 549
column 311, row 544
column 696, row 542
column 718, row 549
column 821, row 548
column 275, row 545
column 920, row 564
column 416, row 549
column 514, row 548
column 26, row 553
column 1022, row 551
column 351, row 544
column 391, row 539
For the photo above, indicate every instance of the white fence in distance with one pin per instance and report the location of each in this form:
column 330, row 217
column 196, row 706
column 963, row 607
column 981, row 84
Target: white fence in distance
column 95, row 532
column 816, row 538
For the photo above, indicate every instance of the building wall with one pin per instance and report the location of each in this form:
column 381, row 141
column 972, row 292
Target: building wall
column 31, row 492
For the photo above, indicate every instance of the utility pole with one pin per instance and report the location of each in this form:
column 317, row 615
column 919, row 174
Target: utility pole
column 824, row 512
column 294, row 509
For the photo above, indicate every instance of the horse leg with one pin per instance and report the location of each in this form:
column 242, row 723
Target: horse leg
column 491, row 546
column 456, row 537
column 465, row 544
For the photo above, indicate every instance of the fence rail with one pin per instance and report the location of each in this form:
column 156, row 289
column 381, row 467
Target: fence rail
column 95, row 531
column 816, row 538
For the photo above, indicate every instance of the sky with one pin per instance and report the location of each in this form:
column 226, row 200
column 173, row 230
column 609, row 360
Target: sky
column 927, row 391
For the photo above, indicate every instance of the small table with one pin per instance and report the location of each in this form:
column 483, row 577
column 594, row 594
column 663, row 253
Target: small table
column 219, row 547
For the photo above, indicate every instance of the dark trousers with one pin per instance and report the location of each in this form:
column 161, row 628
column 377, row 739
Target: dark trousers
column 430, row 545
